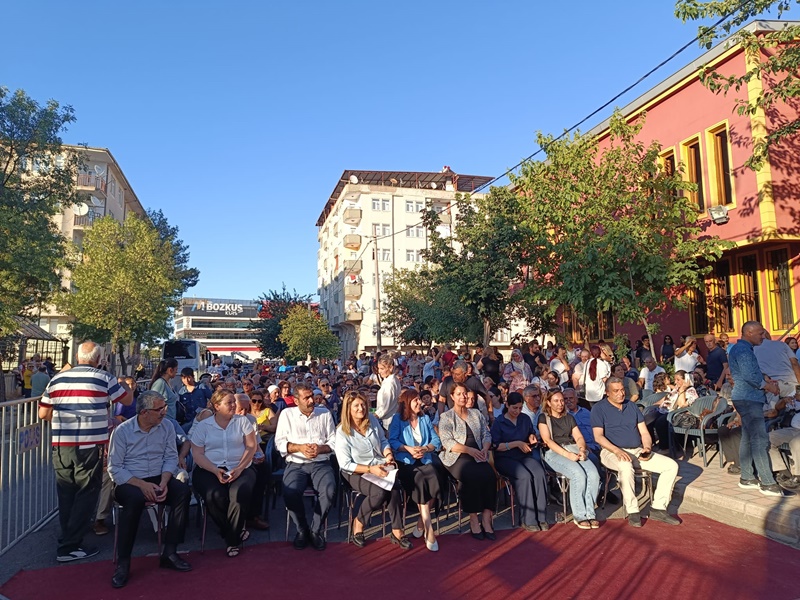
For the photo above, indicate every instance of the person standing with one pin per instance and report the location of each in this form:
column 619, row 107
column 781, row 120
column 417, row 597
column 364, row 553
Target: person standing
column 162, row 383
column 716, row 361
column 39, row 382
column 748, row 397
column 389, row 394
column 76, row 401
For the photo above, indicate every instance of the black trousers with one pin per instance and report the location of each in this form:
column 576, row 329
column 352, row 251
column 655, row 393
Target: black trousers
column 297, row 477
column 133, row 504
column 226, row 503
column 477, row 484
column 263, row 477
column 422, row 482
column 658, row 426
column 376, row 497
column 79, row 477
column 530, row 485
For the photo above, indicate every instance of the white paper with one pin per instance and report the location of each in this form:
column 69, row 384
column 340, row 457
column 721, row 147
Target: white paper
column 387, row 483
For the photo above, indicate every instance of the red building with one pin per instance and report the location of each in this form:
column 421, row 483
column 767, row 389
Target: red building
column 759, row 211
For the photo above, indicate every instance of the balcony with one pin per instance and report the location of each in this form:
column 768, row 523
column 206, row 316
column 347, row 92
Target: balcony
column 352, row 241
column 352, row 291
column 353, row 266
column 86, row 220
column 92, row 183
column 354, row 316
column 352, row 216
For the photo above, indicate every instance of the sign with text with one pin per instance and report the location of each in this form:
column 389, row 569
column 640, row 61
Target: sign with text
column 217, row 308
column 29, row 438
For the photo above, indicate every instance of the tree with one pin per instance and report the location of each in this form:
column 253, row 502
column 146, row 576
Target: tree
column 37, row 180
column 611, row 229
column 274, row 307
column 306, row 335
column 485, row 257
column 773, row 60
column 126, row 284
column 421, row 310
column 169, row 234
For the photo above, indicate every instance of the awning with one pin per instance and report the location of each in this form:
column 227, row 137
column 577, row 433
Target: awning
column 31, row 331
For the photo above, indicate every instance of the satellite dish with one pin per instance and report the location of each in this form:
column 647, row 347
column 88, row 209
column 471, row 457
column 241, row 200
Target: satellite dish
column 96, row 201
column 433, row 184
column 100, row 171
column 353, row 179
column 81, row 209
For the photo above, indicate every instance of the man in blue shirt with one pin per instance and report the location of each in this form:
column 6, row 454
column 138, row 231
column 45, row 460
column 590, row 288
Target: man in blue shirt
column 619, row 428
column 716, row 361
column 748, row 398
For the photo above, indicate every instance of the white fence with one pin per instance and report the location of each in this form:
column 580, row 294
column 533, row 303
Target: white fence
column 27, row 481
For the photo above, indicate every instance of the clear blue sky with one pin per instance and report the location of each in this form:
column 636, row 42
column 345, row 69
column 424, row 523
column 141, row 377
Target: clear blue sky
column 237, row 118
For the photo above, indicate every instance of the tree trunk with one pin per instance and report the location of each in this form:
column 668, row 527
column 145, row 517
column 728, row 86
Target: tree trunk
column 649, row 337
column 2, row 382
column 123, row 366
column 487, row 332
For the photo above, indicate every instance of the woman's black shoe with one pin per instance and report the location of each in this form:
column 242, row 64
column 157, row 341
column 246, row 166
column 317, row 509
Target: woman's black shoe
column 358, row 540
column 402, row 542
column 479, row 535
column 489, row 534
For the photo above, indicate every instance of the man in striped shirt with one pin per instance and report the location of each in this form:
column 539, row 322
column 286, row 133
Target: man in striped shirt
column 76, row 401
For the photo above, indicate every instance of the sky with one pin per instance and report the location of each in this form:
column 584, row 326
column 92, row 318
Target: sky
column 237, row 118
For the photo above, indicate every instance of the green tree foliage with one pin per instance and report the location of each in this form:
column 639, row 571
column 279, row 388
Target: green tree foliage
column 37, row 180
column 188, row 276
column 306, row 334
column 274, row 307
column 419, row 310
column 776, row 58
column 611, row 230
column 485, row 256
column 126, row 284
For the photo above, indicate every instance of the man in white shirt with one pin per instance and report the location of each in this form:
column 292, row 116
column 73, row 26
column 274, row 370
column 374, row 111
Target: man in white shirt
column 646, row 375
column 577, row 372
column 389, row 394
column 305, row 436
column 687, row 357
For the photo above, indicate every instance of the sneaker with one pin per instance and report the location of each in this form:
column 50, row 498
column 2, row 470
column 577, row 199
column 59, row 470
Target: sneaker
column 749, row 484
column 78, row 554
column 635, row 519
column 774, row 490
column 663, row 516
column 735, row 470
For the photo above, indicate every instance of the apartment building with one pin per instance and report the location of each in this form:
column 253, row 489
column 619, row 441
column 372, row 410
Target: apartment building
column 386, row 205
column 108, row 193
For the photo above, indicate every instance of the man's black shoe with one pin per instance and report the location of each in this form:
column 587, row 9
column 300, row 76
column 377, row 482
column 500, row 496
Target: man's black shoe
column 734, row 470
column 663, row 516
column 301, row 540
column 174, row 562
column 318, row 541
column 635, row 519
column 121, row 573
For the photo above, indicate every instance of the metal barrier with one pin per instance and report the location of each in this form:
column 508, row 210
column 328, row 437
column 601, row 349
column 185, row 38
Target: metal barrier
column 27, row 482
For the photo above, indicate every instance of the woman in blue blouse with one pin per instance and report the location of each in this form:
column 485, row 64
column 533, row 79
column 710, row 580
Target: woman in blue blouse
column 415, row 443
column 361, row 448
column 513, row 438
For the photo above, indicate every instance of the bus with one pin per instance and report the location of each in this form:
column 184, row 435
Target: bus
column 188, row 353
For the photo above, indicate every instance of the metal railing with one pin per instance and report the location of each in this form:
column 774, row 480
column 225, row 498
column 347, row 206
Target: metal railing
column 27, row 481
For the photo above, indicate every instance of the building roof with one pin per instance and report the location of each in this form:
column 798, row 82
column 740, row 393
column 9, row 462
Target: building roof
column 31, row 331
column 692, row 68
column 404, row 179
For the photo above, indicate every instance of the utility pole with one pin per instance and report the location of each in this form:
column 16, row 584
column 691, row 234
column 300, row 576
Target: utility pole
column 377, row 296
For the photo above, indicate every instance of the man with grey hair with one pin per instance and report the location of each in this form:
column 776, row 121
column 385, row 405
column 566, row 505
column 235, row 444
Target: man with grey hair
column 619, row 428
column 76, row 401
column 458, row 374
column 142, row 462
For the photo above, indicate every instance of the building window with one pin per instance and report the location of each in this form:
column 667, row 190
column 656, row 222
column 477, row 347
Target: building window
column 698, row 311
column 694, row 171
column 723, row 192
column 668, row 162
column 413, row 256
column 780, row 289
column 414, row 206
column 380, row 229
column 502, row 337
column 380, row 204
column 749, row 299
column 384, row 255
column 722, row 302
column 601, row 329
column 417, row 231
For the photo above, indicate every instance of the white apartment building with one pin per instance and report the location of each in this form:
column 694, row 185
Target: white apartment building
column 108, row 193
column 377, row 203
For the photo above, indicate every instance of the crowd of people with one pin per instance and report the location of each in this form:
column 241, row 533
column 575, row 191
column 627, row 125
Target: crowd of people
column 398, row 428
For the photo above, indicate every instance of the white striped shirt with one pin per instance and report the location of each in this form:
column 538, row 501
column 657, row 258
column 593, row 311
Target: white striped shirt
column 80, row 398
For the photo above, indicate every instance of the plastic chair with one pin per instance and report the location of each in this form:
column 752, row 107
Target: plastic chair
column 562, row 481
column 157, row 514
column 276, row 473
column 648, row 400
column 699, row 405
column 352, row 497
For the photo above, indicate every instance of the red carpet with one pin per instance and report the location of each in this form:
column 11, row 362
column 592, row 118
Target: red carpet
column 701, row 559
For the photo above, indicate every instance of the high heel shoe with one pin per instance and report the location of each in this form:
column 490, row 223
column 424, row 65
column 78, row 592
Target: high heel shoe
column 432, row 546
column 488, row 534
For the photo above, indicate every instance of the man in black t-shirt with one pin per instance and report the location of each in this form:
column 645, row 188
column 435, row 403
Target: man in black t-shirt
column 459, row 375
column 619, row 428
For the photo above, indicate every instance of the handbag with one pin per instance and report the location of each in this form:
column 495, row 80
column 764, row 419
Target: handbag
column 686, row 420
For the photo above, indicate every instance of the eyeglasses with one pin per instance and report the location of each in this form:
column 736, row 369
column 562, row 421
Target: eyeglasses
column 161, row 409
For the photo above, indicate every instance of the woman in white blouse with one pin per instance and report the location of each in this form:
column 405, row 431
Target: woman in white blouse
column 362, row 448
column 223, row 448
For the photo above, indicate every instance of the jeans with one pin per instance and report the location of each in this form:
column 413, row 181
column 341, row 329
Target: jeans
column 584, row 482
column 754, row 448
